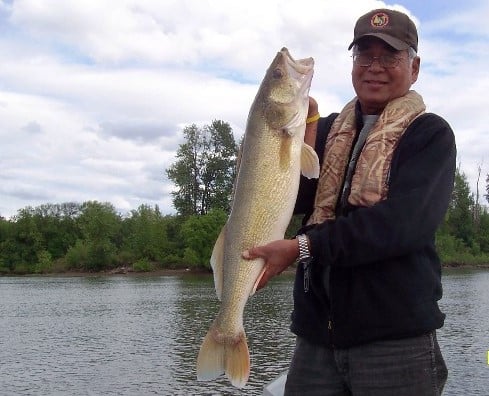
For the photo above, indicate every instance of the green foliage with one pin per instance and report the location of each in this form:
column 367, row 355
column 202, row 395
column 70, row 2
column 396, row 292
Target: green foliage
column 44, row 262
column 57, row 226
column 9, row 255
column 101, row 255
column 146, row 234
column 294, row 225
column 482, row 236
column 200, row 234
column 99, row 221
column 461, row 240
column 100, row 225
column 460, row 212
column 487, row 188
column 77, row 256
column 454, row 252
column 205, row 169
column 191, row 257
column 25, row 237
column 174, row 261
column 88, row 255
column 142, row 265
column 448, row 246
column 92, row 236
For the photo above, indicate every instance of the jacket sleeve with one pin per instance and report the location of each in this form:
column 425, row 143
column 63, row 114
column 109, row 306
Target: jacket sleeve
column 420, row 187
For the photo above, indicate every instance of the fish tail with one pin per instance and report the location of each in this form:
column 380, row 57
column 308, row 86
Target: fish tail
column 238, row 362
column 216, row 358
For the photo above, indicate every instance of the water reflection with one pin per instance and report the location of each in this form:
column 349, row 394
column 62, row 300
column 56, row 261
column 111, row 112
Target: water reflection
column 141, row 335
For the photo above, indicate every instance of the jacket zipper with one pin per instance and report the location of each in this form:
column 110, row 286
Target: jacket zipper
column 330, row 317
column 307, row 273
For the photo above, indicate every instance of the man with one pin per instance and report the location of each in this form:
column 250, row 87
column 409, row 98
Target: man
column 369, row 279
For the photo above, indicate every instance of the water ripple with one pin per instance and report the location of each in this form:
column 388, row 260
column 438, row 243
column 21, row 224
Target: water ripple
column 141, row 335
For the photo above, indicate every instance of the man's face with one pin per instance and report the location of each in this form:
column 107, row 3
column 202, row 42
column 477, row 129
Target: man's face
column 376, row 85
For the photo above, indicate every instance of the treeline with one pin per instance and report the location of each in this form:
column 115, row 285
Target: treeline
column 463, row 237
column 92, row 236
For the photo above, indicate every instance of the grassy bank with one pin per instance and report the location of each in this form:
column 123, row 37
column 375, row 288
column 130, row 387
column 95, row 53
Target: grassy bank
column 155, row 271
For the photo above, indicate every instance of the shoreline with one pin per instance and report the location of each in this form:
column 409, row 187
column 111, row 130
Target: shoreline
column 127, row 271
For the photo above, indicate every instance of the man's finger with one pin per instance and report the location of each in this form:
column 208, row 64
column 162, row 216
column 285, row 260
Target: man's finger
column 250, row 254
column 247, row 255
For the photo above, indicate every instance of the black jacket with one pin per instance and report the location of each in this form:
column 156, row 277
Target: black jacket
column 384, row 273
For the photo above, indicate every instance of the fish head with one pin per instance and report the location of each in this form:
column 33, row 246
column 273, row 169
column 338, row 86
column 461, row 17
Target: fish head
column 284, row 92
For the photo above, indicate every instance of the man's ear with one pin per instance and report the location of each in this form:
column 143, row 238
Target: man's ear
column 415, row 69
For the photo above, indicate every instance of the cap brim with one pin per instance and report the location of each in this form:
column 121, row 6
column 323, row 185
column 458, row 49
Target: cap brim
column 392, row 41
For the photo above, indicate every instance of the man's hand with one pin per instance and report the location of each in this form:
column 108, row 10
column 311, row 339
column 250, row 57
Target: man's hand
column 278, row 255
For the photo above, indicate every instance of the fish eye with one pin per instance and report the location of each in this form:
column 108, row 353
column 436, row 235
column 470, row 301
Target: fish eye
column 277, row 73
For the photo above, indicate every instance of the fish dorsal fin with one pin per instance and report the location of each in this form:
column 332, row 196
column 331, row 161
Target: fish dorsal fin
column 309, row 162
column 217, row 259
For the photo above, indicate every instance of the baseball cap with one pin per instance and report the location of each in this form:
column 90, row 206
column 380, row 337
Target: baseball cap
column 393, row 27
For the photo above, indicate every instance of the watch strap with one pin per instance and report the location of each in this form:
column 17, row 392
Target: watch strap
column 304, row 252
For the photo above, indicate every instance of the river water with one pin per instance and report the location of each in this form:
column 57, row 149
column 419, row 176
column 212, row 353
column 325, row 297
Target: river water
column 139, row 335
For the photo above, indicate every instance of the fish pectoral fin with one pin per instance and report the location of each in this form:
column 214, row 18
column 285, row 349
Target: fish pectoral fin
column 258, row 279
column 309, row 162
column 217, row 264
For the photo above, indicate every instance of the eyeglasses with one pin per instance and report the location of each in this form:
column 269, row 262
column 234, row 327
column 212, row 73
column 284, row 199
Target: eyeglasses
column 387, row 61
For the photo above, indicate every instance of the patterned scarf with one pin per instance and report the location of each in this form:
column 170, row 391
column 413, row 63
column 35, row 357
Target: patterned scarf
column 369, row 182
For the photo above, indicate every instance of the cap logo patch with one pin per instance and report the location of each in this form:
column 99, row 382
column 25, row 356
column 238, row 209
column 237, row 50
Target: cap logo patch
column 380, row 20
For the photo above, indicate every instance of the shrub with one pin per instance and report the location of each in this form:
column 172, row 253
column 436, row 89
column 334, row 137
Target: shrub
column 44, row 262
column 77, row 256
column 142, row 265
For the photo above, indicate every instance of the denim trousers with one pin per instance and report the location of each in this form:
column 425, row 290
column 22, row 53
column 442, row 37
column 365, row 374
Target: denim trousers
column 405, row 367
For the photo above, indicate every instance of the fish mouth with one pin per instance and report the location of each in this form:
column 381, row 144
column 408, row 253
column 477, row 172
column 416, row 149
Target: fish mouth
column 300, row 70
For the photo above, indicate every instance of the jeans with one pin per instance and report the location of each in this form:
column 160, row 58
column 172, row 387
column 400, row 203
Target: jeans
column 405, row 367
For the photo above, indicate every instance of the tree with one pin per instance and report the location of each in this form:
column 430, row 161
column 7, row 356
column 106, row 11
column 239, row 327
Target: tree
column 205, row 169
column 146, row 234
column 27, row 237
column 99, row 224
column 219, row 167
column 483, row 232
column 460, row 211
column 57, row 224
column 200, row 233
column 487, row 188
column 477, row 207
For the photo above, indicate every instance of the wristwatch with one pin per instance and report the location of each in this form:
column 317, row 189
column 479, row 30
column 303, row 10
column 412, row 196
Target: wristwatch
column 304, row 252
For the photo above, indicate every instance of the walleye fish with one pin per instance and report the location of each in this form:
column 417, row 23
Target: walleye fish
column 273, row 154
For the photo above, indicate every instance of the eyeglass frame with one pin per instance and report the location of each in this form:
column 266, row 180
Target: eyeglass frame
column 410, row 51
column 380, row 59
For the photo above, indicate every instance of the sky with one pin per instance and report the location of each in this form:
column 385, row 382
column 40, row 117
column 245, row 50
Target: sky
column 95, row 94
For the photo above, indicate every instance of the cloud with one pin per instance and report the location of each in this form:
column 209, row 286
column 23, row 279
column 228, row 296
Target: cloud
column 32, row 127
column 94, row 94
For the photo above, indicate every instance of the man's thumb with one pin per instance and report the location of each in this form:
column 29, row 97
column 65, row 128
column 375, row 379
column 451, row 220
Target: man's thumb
column 246, row 255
